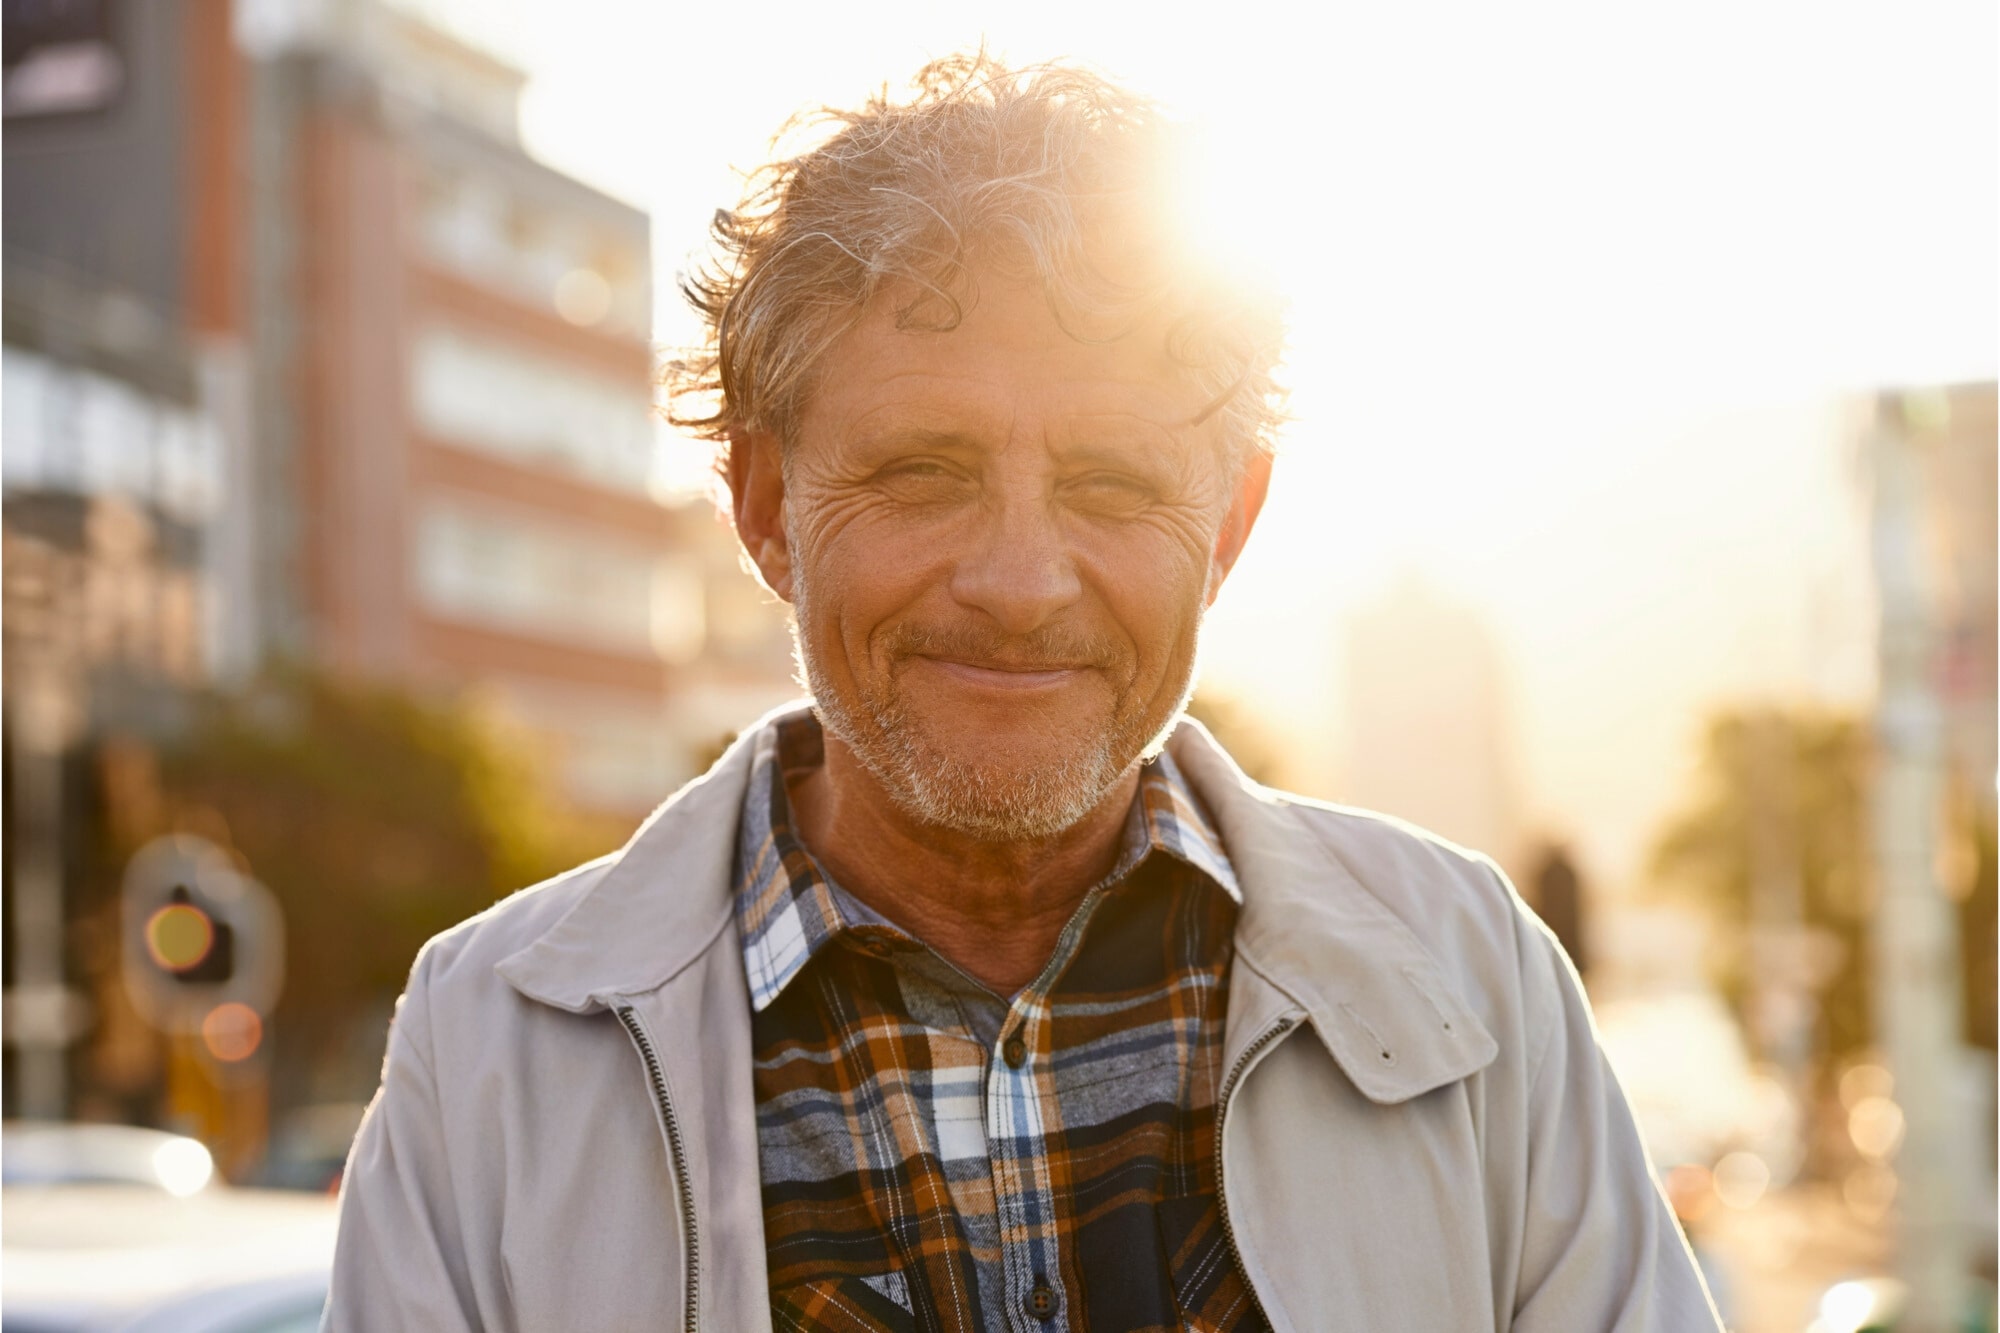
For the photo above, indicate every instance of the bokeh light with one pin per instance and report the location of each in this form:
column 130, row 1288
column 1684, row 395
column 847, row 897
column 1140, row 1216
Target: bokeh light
column 583, row 297
column 1863, row 1081
column 183, row 1166
column 1869, row 1191
column 1741, row 1179
column 232, row 1032
column 179, row 936
column 1875, row 1124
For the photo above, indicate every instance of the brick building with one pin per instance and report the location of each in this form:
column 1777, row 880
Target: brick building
column 417, row 362
column 460, row 417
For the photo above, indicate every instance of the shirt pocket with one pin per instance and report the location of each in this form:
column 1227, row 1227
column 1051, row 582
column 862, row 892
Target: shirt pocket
column 851, row 1303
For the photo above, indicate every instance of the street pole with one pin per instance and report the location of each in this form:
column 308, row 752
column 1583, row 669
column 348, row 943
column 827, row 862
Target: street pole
column 1916, row 955
column 1783, row 1010
column 40, row 1008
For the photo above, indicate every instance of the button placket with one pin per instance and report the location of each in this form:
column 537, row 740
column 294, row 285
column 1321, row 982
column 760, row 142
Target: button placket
column 1014, row 1117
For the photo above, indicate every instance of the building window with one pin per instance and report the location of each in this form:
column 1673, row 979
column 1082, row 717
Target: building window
column 72, row 430
column 486, row 567
column 611, row 755
column 473, row 228
column 530, row 410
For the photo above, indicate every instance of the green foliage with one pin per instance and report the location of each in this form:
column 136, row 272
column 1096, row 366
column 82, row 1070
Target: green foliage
column 1978, row 886
column 1783, row 798
column 377, row 818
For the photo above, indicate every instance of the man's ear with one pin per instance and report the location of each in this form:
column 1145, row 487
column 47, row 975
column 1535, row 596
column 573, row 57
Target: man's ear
column 1252, row 485
column 757, row 494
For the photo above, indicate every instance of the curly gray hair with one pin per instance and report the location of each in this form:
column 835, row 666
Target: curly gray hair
column 1047, row 173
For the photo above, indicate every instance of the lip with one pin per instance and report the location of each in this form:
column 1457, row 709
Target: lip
column 994, row 677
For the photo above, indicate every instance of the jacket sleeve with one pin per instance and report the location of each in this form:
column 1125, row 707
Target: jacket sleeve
column 1601, row 1250
column 399, row 1260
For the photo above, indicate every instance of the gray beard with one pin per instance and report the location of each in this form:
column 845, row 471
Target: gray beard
column 992, row 804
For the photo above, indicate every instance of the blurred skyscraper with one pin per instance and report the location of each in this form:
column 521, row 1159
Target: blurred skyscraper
column 1931, row 457
column 1427, row 720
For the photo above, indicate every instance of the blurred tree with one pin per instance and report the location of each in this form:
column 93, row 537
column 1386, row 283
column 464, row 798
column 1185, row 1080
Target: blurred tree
column 1776, row 841
column 378, row 818
column 1974, row 879
column 1784, row 795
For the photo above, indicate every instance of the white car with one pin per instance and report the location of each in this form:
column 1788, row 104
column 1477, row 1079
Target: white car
column 112, row 1229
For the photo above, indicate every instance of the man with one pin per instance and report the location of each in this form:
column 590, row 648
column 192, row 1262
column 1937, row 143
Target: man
column 986, row 994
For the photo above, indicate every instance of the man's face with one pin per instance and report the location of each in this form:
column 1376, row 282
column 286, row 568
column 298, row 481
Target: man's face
column 999, row 542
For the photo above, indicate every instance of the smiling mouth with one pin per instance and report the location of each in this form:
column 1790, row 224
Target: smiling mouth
column 1008, row 675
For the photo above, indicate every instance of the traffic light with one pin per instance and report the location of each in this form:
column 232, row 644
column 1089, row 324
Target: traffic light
column 204, row 943
column 189, row 943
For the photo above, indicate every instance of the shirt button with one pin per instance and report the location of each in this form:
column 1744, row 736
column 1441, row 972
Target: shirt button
column 1015, row 1051
column 1042, row 1302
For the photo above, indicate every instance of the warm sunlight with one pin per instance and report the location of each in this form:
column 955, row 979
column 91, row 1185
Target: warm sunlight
column 1571, row 334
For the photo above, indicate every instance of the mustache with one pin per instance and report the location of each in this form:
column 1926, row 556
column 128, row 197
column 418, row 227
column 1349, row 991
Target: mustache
column 1051, row 647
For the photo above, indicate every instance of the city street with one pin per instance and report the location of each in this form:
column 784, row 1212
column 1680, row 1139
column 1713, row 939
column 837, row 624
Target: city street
column 1779, row 1256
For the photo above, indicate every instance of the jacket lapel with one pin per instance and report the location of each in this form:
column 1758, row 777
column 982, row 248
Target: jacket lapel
column 654, row 935
column 1375, row 994
column 661, row 902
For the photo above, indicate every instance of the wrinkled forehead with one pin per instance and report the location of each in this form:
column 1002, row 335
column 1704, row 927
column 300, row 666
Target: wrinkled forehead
column 1009, row 354
column 994, row 323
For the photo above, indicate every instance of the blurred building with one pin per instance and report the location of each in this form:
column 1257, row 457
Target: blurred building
column 1427, row 720
column 1951, row 429
column 401, row 369
column 455, row 391
column 117, row 398
column 1931, row 457
column 308, row 360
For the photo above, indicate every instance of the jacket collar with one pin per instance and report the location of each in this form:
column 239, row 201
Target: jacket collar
column 660, row 902
column 1311, row 928
column 1374, row 993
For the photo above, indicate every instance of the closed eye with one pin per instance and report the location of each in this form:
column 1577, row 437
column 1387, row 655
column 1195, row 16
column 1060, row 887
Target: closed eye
column 1110, row 489
column 921, row 479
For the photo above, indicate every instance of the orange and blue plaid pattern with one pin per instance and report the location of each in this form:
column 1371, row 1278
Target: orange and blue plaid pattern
column 935, row 1156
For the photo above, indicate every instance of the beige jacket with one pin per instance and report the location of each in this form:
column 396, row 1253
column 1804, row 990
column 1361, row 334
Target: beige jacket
column 1418, row 1129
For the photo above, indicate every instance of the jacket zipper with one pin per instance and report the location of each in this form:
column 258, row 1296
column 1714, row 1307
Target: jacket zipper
column 1236, row 1072
column 691, row 1313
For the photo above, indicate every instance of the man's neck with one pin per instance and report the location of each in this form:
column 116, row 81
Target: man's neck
column 993, row 909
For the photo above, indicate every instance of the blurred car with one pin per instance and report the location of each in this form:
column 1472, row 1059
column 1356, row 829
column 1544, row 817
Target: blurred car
column 33, row 1153
column 309, row 1146
column 110, row 1229
column 1876, row 1305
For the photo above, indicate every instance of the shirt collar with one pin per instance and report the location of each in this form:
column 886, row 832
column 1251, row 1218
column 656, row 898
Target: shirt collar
column 787, row 910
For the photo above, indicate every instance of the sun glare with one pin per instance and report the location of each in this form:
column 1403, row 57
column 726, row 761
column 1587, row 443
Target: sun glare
column 1568, row 343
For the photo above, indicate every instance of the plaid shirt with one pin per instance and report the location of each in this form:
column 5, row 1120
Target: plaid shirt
column 936, row 1157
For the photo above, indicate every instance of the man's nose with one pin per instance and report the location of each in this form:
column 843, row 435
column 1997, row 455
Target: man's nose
column 1016, row 567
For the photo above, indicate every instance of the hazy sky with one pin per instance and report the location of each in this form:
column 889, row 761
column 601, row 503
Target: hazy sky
column 1576, row 292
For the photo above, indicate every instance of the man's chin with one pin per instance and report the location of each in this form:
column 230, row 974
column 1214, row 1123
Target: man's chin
column 1017, row 785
